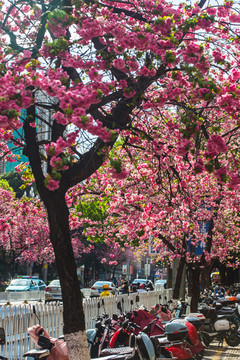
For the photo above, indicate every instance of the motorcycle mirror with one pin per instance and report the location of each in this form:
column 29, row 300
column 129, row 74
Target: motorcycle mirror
column 107, row 321
column 160, row 297
column 165, row 297
column 35, row 313
column 125, row 324
column 128, row 315
column 98, row 305
column 98, row 324
column 137, row 299
column 131, row 302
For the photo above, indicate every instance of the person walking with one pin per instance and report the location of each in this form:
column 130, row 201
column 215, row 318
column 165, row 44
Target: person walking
column 124, row 288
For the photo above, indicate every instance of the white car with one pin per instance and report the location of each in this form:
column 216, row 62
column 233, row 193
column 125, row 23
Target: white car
column 159, row 284
column 53, row 291
column 97, row 288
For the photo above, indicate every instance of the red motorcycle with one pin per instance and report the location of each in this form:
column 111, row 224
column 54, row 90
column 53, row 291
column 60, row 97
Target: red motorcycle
column 181, row 338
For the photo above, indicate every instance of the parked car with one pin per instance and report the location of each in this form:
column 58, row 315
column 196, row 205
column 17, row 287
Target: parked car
column 159, row 284
column 26, row 283
column 142, row 282
column 97, row 288
column 53, row 291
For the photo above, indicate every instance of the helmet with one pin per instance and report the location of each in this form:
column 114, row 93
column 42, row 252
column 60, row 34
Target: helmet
column 105, row 286
column 142, row 286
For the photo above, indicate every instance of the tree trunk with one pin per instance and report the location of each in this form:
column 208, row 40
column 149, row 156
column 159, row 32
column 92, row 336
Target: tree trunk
column 169, row 277
column 73, row 316
column 205, row 277
column 178, row 280
column 195, row 286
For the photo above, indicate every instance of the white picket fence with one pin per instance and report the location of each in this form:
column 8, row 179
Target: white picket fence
column 17, row 319
column 10, row 296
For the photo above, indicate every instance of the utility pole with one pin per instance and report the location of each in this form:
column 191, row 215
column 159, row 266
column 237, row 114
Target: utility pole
column 147, row 268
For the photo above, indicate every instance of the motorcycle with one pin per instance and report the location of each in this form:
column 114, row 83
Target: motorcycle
column 161, row 311
column 221, row 326
column 98, row 337
column 117, row 340
column 140, row 347
column 196, row 319
column 193, row 321
column 174, row 333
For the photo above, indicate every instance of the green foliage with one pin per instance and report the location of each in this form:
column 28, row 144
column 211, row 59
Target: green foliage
column 95, row 210
column 4, row 184
column 57, row 14
column 116, row 164
column 57, row 46
column 15, row 182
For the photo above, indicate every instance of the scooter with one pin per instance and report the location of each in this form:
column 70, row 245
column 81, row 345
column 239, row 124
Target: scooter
column 161, row 311
column 193, row 323
column 221, row 327
column 196, row 319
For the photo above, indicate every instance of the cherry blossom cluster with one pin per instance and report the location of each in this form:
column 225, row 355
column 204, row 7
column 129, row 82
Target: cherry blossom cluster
column 148, row 54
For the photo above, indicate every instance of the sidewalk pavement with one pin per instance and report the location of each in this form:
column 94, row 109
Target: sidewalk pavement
column 221, row 353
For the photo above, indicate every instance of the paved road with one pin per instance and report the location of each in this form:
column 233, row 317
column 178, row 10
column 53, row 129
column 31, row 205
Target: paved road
column 222, row 353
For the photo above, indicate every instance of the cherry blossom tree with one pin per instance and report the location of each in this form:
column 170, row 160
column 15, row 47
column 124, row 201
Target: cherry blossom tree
column 24, row 235
column 24, row 232
column 160, row 197
column 76, row 75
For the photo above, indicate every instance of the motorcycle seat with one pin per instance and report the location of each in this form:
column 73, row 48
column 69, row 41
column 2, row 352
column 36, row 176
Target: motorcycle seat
column 227, row 311
column 158, row 336
column 113, row 351
column 37, row 353
column 224, row 316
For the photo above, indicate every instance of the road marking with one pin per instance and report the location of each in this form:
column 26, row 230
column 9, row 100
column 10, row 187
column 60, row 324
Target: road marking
column 218, row 354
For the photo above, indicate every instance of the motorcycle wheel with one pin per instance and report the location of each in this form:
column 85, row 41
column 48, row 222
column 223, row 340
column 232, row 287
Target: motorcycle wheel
column 94, row 350
column 205, row 338
column 232, row 338
column 199, row 356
